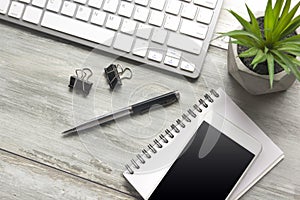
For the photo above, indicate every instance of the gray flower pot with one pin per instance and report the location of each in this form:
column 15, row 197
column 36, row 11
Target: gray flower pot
column 254, row 83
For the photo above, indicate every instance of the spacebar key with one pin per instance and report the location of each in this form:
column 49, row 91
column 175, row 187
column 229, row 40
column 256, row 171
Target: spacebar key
column 185, row 43
column 77, row 28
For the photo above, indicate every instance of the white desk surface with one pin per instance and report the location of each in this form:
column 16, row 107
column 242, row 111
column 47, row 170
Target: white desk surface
column 36, row 105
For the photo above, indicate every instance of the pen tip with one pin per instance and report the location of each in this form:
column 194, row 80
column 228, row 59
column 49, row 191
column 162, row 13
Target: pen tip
column 65, row 132
column 73, row 130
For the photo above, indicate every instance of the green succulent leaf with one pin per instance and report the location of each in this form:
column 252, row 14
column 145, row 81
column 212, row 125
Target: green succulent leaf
column 291, row 27
column 269, row 22
column 270, row 61
column 284, row 57
column 284, row 21
column 245, row 36
column 254, row 23
column 249, row 53
column 290, row 49
column 286, row 8
column 277, row 45
column 295, row 67
column 240, row 43
column 243, row 22
column 252, row 28
column 259, row 58
column 243, row 41
column 295, row 40
column 295, row 61
column 281, row 63
column 288, row 46
column 277, row 9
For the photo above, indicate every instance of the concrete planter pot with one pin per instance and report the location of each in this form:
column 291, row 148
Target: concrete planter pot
column 254, row 83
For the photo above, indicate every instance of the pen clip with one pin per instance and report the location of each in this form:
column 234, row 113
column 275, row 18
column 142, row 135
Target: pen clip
column 163, row 100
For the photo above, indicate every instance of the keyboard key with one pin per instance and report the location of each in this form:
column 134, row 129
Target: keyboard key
column 111, row 5
column 54, row 5
column 171, row 61
column 143, row 31
column 140, row 47
column 173, row 7
column 78, row 28
column 190, row 67
column 186, row 43
column 142, row 2
column 123, row 42
column 205, row 15
column 98, row 17
column 174, row 53
column 81, row 1
column 159, row 35
column 95, row 3
column 189, row 11
column 172, row 22
column 32, row 14
column 25, row 1
column 83, row 13
column 126, row 9
column 113, row 22
column 4, row 6
column 16, row 9
column 141, row 13
column 206, row 3
column 68, row 8
column 193, row 29
column 156, row 56
column 39, row 3
column 156, row 18
column 128, row 26
column 158, row 4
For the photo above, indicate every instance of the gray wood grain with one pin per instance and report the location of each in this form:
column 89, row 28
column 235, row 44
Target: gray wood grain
column 24, row 179
column 36, row 106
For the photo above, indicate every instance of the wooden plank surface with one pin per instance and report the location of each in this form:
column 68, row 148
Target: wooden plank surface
column 24, row 179
column 36, row 106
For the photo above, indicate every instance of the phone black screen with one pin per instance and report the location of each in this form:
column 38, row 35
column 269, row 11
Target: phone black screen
column 208, row 168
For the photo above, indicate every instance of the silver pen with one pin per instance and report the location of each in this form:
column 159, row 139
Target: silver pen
column 138, row 108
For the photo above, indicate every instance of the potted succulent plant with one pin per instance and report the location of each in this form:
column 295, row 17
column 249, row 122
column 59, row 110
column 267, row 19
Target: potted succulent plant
column 262, row 54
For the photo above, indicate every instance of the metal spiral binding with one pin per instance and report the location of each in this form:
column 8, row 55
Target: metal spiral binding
column 207, row 96
column 196, row 107
column 164, row 138
column 186, row 118
column 141, row 158
column 152, row 148
column 157, row 143
column 135, row 164
column 192, row 113
column 213, row 92
column 178, row 121
column 168, row 132
column 145, row 152
column 174, row 127
column 202, row 102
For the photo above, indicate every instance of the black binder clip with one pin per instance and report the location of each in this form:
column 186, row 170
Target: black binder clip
column 112, row 74
column 80, row 82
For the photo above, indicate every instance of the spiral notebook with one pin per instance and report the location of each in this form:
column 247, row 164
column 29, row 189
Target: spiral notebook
column 149, row 169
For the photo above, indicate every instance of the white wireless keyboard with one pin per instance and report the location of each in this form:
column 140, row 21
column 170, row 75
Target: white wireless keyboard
column 172, row 35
